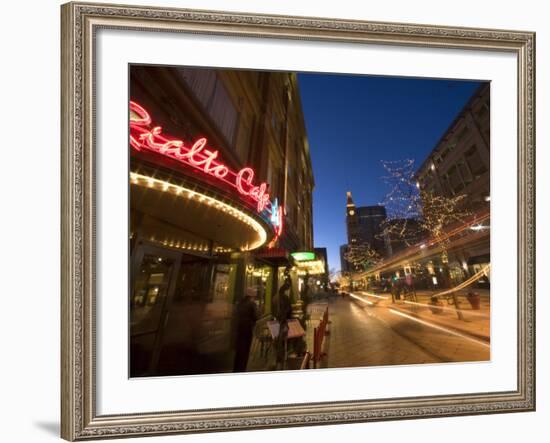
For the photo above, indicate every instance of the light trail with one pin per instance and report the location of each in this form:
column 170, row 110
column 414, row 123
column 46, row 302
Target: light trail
column 362, row 299
column 373, row 295
column 410, row 252
column 446, row 308
column 465, row 283
column 440, row 328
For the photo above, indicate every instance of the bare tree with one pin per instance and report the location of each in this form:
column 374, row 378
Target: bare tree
column 415, row 213
column 362, row 256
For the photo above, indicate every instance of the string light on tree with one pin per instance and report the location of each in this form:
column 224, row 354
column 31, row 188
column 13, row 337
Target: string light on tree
column 414, row 212
column 362, row 256
column 402, row 203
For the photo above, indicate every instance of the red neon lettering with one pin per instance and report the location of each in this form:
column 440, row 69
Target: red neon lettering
column 143, row 117
column 197, row 155
column 245, row 175
column 168, row 147
column 219, row 170
column 259, row 194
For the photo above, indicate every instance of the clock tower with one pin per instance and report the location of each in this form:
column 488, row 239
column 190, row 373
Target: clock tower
column 352, row 221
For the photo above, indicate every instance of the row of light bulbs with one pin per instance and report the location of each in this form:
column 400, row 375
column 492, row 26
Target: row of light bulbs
column 151, row 182
column 189, row 246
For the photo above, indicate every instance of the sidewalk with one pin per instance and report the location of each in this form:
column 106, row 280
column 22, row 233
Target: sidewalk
column 264, row 359
column 475, row 323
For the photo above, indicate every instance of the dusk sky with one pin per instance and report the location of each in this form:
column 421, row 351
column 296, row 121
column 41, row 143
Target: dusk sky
column 354, row 122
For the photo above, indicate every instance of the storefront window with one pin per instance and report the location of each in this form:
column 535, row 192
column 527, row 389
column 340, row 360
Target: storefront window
column 147, row 307
column 259, row 280
column 456, row 273
column 198, row 331
column 484, row 281
column 210, row 90
column 150, row 291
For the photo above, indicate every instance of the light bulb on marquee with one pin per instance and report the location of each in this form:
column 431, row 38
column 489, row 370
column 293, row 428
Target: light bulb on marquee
column 198, row 155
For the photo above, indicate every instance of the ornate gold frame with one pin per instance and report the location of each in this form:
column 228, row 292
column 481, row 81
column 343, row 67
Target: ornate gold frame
column 79, row 420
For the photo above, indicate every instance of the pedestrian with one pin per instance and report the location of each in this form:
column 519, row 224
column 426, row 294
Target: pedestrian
column 282, row 311
column 247, row 316
column 398, row 289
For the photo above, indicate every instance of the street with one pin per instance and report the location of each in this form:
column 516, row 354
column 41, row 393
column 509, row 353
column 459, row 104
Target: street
column 374, row 334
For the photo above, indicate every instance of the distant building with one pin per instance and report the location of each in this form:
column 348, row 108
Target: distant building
column 344, row 264
column 321, row 254
column 364, row 225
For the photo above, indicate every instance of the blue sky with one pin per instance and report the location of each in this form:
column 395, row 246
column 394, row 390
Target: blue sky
column 355, row 122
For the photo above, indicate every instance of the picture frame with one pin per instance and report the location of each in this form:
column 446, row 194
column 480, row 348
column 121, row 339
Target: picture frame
column 80, row 23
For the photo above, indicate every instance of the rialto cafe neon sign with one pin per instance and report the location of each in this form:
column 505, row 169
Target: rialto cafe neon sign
column 145, row 136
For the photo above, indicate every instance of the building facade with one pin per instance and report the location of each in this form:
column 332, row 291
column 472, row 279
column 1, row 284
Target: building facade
column 460, row 162
column 459, row 165
column 220, row 194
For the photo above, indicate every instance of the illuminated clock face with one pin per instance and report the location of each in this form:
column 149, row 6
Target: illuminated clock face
column 351, row 212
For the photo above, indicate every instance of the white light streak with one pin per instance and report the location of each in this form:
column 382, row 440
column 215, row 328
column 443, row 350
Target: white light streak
column 362, row 299
column 374, row 295
column 440, row 328
column 446, row 308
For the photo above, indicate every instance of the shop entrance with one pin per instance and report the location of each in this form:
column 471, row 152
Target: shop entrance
column 153, row 276
column 181, row 313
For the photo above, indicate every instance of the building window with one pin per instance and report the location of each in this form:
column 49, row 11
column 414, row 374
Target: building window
column 465, row 172
column 474, row 161
column 447, row 188
column 212, row 94
column 483, row 111
column 275, row 180
column 276, row 126
column 297, row 216
column 455, row 181
column 269, row 174
column 461, row 135
column 273, row 174
column 243, row 138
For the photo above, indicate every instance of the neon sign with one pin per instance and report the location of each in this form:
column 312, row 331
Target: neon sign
column 277, row 217
column 303, row 256
column 145, row 136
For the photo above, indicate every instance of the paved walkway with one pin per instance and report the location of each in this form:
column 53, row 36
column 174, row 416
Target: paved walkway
column 436, row 337
column 359, row 338
column 371, row 331
column 475, row 323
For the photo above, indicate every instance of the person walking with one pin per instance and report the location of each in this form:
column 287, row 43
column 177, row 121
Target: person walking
column 282, row 311
column 247, row 316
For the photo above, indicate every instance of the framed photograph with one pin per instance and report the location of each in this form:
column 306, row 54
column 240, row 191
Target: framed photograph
column 277, row 221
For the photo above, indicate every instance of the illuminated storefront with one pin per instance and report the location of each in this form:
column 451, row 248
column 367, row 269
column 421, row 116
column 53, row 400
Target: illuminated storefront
column 204, row 231
column 312, row 270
